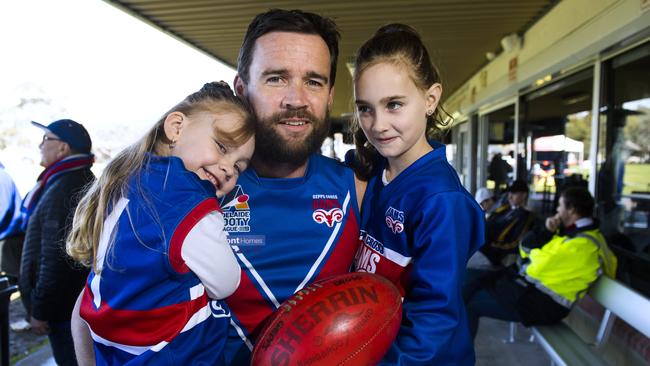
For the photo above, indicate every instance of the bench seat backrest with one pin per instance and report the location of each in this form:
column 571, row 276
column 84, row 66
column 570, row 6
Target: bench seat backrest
column 626, row 303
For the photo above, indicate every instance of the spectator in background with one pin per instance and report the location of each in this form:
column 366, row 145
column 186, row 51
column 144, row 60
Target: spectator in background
column 504, row 228
column 507, row 225
column 486, row 200
column 498, row 172
column 558, row 262
column 12, row 235
column 522, row 172
column 49, row 280
column 11, row 231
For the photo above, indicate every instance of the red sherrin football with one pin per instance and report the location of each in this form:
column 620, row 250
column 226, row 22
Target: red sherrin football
column 349, row 319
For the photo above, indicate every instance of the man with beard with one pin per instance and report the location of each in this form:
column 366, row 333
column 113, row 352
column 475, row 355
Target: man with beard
column 293, row 217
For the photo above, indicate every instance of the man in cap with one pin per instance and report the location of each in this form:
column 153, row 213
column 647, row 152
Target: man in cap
column 485, row 199
column 507, row 225
column 49, row 280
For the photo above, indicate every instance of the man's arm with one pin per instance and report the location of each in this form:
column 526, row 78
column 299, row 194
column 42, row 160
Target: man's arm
column 83, row 344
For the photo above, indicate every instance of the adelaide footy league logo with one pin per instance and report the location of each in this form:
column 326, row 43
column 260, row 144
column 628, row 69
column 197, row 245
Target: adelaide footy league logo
column 395, row 220
column 236, row 211
column 327, row 209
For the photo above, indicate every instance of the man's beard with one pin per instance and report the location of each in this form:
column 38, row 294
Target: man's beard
column 272, row 147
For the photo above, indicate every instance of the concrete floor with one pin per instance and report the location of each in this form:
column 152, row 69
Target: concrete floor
column 491, row 350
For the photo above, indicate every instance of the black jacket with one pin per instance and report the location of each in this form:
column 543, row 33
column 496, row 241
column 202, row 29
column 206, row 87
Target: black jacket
column 50, row 280
column 503, row 230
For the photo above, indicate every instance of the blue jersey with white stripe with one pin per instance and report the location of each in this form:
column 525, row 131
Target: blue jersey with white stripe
column 419, row 231
column 286, row 233
column 143, row 305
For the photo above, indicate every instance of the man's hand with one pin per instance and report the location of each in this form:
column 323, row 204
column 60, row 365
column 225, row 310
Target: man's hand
column 39, row 327
column 553, row 223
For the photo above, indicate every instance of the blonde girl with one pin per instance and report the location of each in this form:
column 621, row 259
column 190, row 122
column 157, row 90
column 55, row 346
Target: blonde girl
column 151, row 230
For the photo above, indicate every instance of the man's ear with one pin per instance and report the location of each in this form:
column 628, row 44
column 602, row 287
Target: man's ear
column 64, row 150
column 174, row 124
column 240, row 86
column 432, row 96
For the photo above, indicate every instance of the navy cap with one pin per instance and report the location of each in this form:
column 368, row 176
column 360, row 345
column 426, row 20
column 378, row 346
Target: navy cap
column 70, row 132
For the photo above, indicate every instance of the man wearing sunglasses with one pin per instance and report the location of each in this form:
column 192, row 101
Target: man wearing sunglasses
column 49, row 281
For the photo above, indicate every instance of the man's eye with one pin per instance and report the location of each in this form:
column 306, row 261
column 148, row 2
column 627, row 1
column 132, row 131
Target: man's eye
column 315, row 83
column 274, row 80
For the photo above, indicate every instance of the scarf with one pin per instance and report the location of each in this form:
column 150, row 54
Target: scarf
column 49, row 176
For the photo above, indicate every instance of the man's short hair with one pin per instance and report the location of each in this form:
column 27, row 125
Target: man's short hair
column 295, row 21
column 580, row 200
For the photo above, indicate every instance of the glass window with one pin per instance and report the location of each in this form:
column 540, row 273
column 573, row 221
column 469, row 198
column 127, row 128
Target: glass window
column 624, row 163
column 500, row 161
column 556, row 130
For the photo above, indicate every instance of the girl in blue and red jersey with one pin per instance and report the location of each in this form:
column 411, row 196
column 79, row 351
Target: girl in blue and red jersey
column 151, row 229
column 418, row 224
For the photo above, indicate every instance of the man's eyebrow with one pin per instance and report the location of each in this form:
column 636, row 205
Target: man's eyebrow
column 281, row 72
column 315, row 75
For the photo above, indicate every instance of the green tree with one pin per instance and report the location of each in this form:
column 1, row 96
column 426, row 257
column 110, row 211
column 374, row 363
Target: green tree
column 578, row 127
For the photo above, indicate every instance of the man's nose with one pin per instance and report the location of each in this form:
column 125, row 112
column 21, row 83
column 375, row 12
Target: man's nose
column 295, row 97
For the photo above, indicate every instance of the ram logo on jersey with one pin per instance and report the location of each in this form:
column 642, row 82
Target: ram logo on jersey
column 236, row 211
column 327, row 209
column 395, row 220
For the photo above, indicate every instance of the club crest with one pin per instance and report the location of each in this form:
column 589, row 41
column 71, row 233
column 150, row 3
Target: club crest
column 327, row 209
column 395, row 220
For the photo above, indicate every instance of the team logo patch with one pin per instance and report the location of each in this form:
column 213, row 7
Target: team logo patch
column 395, row 220
column 236, row 211
column 327, row 209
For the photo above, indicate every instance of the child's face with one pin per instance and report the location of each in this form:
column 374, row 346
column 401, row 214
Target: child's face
column 203, row 153
column 392, row 112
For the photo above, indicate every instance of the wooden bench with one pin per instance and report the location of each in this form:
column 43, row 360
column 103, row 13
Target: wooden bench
column 566, row 348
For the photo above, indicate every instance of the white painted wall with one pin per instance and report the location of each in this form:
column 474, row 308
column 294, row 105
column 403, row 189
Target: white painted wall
column 573, row 33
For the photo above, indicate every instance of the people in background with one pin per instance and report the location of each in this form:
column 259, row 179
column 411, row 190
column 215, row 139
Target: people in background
column 418, row 224
column 498, row 172
column 49, row 279
column 558, row 262
column 507, row 225
column 11, row 227
column 486, row 200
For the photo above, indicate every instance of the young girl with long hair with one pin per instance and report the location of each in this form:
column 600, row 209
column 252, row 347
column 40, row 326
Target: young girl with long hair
column 418, row 224
column 151, row 230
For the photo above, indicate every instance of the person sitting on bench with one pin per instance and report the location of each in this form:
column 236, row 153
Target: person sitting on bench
column 558, row 262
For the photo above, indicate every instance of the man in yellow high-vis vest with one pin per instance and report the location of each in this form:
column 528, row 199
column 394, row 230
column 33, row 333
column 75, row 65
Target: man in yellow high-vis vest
column 558, row 262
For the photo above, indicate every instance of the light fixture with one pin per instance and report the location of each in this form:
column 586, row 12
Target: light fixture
column 510, row 42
